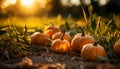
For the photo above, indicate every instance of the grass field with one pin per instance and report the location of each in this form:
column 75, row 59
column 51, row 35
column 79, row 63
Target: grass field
column 104, row 29
column 32, row 22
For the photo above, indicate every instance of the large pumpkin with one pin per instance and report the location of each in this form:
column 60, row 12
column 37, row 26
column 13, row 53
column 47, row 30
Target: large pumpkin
column 79, row 40
column 40, row 38
column 60, row 45
column 91, row 52
column 116, row 47
column 59, row 34
column 50, row 30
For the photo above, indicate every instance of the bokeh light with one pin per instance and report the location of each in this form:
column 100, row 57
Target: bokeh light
column 42, row 3
column 75, row 2
column 7, row 3
column 12, row 2
column 102, row 2
column 70, row 2
column 27, row 3
column 65, row 2
column 87, row 2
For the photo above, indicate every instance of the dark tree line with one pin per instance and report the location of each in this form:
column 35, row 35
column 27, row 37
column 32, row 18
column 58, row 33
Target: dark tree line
column 113, row 6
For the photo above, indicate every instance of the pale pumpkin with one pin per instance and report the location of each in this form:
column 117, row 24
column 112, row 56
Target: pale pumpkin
column 60, row 45
column 79, row 40
column 40, row 38
column 59, row 34
column 91, row 52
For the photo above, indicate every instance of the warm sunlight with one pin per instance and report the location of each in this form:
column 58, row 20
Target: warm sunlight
column 12, row 2
column 27, row 3
column 7, row 3
column 42, row 3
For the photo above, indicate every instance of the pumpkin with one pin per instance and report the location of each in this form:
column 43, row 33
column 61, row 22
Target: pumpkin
column 79, row 40
column 60, row 45
column 59, row 34
column 40, row 38
column 50, row 30
column 116, row 47
column 92, row 51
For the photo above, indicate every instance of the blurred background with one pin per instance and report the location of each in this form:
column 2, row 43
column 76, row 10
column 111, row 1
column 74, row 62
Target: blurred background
column 55, row 8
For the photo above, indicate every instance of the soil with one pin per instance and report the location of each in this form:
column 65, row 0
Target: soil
column 47, row 59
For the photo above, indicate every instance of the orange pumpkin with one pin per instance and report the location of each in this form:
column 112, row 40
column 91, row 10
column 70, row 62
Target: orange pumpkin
column 40, row 38
column 116, row 47
column 50, row 30
column 59, row 34
column 79, row 40
column 60, row 45
column 91, row 52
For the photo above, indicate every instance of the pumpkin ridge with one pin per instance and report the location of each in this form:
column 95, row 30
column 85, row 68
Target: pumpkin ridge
column 90, row 52
column 85, row 52
column 60, row 46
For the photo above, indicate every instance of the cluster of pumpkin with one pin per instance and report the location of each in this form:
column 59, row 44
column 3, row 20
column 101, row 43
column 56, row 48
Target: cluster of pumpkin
column 61, row 42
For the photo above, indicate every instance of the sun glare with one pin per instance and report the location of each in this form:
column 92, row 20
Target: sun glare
column 42, row 3
column 27, row 3
column 7, row 3
column 12, row 2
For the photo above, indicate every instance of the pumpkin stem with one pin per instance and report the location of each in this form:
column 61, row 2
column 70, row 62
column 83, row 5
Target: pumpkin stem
column 63, row 33
column 41, row 31
column 83, row 33
column 96, row 42
column 51, row 23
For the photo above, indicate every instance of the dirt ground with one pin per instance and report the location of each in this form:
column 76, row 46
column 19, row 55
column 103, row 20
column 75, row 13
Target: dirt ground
column 47, row 59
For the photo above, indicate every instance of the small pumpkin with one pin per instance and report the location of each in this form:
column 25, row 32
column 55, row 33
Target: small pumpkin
column 92, row 51
column 116, row 47
column 79, row 40
column 40, row 38
column 59, row 34
column 50, row 30
column 60, row 45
